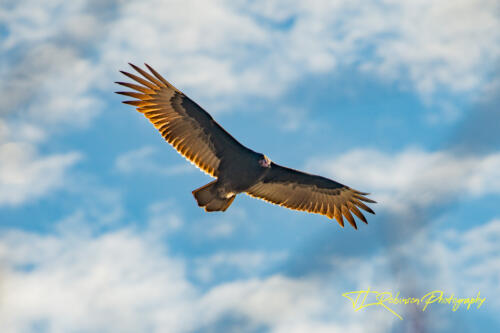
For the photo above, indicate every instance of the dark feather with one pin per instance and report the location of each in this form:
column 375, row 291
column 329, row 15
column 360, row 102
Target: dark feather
column 289, row 188
column 182, row 122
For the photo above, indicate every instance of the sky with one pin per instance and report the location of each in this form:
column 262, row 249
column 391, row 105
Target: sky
column 99, row 231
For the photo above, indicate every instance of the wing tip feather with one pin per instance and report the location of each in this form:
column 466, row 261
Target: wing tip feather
column 347, row 214
column 150, row 86
column 337, row 214
column 159, row 76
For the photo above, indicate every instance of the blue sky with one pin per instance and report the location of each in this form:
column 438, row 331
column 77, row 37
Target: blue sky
column 99, row 231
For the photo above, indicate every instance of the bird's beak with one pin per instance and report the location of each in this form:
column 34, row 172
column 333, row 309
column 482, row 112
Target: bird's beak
column 265, row 162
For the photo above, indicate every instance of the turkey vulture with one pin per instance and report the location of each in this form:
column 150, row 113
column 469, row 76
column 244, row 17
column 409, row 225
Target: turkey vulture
column 237, row 169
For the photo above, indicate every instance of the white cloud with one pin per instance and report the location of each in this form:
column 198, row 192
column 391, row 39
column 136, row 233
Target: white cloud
column 124, row 281
column 163, row 217
column 142, row 160
column 21, row 132
column 48, row 79
column 24, row 175
column 433, row 43
column 293, row 119
column 197, row 44
column 223, row 49
column 227, row 50
column 219, row 227
column 30, row 21
column 246, row 263
column 90, row 284
column 98, row 207
column 413, row 178
column 51, row 85
column 463, row 262
column 47, row 85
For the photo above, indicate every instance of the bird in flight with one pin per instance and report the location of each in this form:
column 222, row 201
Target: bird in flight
column 237, row 169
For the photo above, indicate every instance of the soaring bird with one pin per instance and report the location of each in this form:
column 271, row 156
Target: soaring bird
column 237, row 169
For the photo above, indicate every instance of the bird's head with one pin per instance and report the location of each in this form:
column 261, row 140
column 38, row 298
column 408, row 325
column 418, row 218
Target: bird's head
column 264, row 161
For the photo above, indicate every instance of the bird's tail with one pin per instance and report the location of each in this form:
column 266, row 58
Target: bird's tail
column 207, row 197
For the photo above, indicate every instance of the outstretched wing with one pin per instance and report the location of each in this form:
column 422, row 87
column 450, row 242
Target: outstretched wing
column 315, row 194
column 182, row 122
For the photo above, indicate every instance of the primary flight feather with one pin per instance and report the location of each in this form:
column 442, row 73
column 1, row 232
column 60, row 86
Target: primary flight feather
column 237, row 169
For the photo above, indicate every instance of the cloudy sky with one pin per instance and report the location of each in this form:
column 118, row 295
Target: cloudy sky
column 98, row 228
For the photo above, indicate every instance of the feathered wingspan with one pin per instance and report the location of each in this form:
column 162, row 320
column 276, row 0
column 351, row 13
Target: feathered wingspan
column 315, row 194
column 182, row 122
column 196, row 135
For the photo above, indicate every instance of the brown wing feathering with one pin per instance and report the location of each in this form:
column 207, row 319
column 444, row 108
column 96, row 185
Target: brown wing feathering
column 315, row 194
column 182, row 122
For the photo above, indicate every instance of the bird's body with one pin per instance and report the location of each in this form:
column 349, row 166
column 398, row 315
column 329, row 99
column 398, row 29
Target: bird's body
column 236, row 176
column 238, row 169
